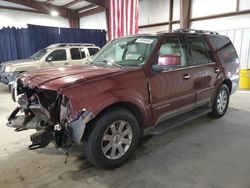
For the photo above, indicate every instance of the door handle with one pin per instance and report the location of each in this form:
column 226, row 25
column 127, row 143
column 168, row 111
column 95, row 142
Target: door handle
column 186, row 76
column 66, row 63
column 216, row 70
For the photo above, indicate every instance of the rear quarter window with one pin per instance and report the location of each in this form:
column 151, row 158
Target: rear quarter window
column 93, row 51
column 223, row 48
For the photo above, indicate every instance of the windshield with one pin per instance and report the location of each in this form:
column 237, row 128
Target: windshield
column 38, row 55
column 126, row 52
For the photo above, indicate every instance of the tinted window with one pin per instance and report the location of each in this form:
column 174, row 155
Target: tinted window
column 198, row 51
column 93, row 51
column 173, row 46
column 77, row 53
column 224, row 48
column 57, row 55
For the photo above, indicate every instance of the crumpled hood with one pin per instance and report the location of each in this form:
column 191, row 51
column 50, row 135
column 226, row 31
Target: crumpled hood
column 56, row 78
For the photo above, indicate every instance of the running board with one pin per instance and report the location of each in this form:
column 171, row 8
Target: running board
column 179, row 120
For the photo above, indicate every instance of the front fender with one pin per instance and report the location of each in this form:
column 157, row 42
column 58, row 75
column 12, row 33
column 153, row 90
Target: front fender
column 97, row 103
column 121, row 97
column 98, row 94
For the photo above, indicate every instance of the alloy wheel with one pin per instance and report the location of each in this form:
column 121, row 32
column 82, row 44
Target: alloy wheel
column 222, row 101
column 117, row 139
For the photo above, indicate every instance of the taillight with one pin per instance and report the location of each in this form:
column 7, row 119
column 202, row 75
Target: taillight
column 238, row 70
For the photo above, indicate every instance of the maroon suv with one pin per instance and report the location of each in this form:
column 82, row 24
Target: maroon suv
column 131, row 86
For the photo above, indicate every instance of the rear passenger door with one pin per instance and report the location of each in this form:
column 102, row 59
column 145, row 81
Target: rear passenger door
column 78, row 56
column 203, row 67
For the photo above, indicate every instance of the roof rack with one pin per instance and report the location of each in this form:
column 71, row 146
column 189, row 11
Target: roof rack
column 196, row 31
column 164, row 31
column 69, row 44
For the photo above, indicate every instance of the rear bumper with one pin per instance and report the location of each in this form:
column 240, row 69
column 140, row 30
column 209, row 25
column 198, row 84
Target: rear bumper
column 7, row 77
column 235, row 83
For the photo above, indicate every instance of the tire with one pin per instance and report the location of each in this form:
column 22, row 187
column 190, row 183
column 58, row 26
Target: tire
column 220, row 103
column 9, row 87
column 105, row 145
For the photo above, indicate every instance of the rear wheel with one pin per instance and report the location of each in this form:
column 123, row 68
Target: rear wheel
column 112, row 139
column 220, row 103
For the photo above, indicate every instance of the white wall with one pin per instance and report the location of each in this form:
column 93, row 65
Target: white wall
column 244, row 4
column 153, row 29
column 157, row 11
column 211, row 7
column 151, row 12
column 176, row 10
column 232, row 22
column 156, row 29
column 12, row 18
column 96, row 21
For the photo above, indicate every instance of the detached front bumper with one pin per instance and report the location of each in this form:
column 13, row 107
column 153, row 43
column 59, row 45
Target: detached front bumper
column 7, row 77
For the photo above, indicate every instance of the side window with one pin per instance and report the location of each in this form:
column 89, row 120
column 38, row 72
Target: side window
column 198, row 51
column 57, row 55
column 224, row 49
column 93, row 51
column 77, row 53
column 173, row 46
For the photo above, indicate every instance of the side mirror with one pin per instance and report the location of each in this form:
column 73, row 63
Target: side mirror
column 49, row 59
column 167, row 62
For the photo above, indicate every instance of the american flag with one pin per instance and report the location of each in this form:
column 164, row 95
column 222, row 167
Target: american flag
column 123, row 18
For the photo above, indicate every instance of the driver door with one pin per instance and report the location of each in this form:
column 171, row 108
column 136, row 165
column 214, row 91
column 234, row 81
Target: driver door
column 172, row 89
column 56, row 58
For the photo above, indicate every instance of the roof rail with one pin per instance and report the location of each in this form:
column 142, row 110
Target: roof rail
column 69, row 44
column 196, row 31
column 164, row 31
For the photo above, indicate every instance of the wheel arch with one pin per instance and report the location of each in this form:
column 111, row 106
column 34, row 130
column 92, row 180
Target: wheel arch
column 228, row 83
column 131, row 107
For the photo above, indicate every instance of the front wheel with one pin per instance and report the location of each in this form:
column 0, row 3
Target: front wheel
column 112, row 139
column 220, row 103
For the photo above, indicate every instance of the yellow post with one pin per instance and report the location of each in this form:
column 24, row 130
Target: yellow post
column 245, row 79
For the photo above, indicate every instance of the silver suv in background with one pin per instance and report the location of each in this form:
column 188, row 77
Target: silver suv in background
column 54, row 55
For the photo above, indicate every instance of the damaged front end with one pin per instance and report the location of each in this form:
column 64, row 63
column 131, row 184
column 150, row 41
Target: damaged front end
column 50, row 113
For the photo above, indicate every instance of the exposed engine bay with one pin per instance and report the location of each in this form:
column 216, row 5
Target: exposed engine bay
column 50, row 113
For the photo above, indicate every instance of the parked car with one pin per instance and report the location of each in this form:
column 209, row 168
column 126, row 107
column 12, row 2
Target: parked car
column 128, row 89
column 52, row 56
